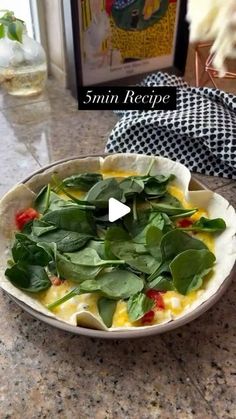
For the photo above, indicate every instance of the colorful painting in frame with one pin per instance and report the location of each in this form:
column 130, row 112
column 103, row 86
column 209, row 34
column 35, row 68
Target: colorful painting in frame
column 124, row 38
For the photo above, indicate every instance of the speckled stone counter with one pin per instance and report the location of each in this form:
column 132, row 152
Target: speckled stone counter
column 46, row 373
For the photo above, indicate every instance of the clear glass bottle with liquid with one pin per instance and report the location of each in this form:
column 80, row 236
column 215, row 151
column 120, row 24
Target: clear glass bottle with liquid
column 23, row 66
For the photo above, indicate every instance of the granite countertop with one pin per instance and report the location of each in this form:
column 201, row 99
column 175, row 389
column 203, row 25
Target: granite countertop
column 46, row 373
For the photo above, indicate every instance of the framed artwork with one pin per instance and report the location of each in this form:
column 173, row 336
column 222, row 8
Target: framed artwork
column 115, row 41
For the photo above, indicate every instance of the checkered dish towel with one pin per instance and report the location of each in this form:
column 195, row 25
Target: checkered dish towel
column 200, row 133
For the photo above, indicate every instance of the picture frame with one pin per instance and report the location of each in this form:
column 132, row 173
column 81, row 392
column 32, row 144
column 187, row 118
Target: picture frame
column 85, row 28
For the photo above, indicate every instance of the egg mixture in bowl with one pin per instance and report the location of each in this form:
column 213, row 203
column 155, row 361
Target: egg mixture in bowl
column 63, row 257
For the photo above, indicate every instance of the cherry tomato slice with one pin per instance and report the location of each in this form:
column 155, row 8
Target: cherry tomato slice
column 157, row 297
column 148, row 317
column 185, row 223
column 23, row 217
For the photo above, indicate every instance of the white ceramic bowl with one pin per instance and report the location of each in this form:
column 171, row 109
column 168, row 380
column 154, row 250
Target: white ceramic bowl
column 136, row 333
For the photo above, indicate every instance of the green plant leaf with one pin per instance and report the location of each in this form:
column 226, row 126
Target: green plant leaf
column 82, row 181
column 173, row 243
column 134, row 254
column 44, row 198
column 15, row 31
column 171, row 200
column 172, row 211
column 176, row 242
column 49, row 200
column 138, row 228
column 2, row 31
column 29, row 278
column 155, row 186
column 138, row 305
column 72, row 219
column 117, row 234
column 131, row 187
column 189, row 268
column 153, row 242
column 117, row 284
column 66, row 241
column 162, row 283
column 208, row 226
column 41, row 227
column 101, row 192
column 82, row 265
column 27, row 251
column 106, row 309
column 99, row 246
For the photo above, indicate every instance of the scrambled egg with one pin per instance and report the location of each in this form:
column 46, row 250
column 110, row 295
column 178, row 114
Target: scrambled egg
column 175, row 303
column 78, row 303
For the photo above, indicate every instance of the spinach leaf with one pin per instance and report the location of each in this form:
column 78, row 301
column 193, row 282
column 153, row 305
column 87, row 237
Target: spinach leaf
column 155, row 186
column 41, row 227
column 162, row 269
column 134, row 254
column 162, row 283
column 131, row 187
column 29, row 278
column 114, row 234
column 72, row 219
column 106, row 309
column 89, row 257
column 75, row 272
column 138, row 305
column 117, row 234
column 66, row 241
column 154, row 189
column 101, row 192
column 117, row 284
column 176, row 242
column 48, row 200
column 99, row 246
column 138, row 228
column 171, row 200
column 82, row 181
column 82, row 265
column 173, row 243
column 172, row 211
column 50, row 249
column 151, row 186
column 43, row 199
column 27, row 251
column 208, row 226
column 189, row 268
column 153, row 241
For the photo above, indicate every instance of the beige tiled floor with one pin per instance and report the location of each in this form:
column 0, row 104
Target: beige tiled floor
column 46, row 373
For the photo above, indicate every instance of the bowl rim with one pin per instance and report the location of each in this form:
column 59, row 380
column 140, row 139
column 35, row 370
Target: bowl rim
column 129, row 334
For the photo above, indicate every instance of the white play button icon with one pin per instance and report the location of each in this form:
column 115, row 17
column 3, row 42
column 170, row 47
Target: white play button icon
column 117, row 210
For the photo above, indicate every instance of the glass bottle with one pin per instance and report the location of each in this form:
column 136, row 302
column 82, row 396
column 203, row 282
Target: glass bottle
column 23, row 66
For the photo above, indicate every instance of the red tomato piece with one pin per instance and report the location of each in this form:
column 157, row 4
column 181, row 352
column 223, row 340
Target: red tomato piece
column 56, row 281
column 148, row 317
column 185, row 223
column 157, row 297
column 23, row 217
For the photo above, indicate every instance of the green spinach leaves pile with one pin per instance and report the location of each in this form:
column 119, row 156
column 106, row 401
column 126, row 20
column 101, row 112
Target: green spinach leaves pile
column 73, row 239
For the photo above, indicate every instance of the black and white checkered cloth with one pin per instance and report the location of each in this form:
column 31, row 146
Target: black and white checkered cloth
column 200, row 133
